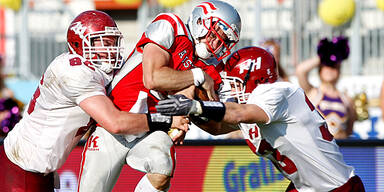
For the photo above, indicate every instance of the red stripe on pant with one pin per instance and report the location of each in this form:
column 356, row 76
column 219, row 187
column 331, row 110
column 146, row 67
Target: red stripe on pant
column 354, row 184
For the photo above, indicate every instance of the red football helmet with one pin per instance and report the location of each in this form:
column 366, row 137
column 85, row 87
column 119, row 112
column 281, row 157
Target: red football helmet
column 244, row 70
column 91, row 25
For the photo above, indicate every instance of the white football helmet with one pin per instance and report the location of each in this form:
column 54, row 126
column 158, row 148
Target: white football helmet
column 208, row 16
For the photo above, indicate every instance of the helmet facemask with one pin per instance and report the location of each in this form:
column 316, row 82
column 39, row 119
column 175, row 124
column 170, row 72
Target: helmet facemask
column 104, row 57
column 233, row 89
column 209, row 19
column 212, row 25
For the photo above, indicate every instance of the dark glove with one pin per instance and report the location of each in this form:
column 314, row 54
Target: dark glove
column 178, row 105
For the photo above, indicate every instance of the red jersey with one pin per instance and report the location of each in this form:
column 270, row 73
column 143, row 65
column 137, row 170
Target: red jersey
column 170, row 33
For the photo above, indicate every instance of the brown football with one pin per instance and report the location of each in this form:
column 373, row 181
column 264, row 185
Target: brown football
column 201, row 94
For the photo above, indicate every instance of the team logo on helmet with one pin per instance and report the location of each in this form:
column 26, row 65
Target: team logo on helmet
column 249, row 64
column 78, row 29
column 207, row 7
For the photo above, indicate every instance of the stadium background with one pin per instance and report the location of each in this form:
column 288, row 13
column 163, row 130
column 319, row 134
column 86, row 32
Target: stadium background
column 32, row 33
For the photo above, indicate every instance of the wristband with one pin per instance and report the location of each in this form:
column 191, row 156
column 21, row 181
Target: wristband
column 158, row 122
column 213, row 110
column 198, row 76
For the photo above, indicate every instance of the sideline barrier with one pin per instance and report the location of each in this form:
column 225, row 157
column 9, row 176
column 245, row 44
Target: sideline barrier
column 229, row 166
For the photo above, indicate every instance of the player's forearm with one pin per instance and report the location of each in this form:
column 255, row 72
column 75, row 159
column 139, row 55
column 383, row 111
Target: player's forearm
column 244, row 113
column 124, row 123
column 128, row 123
column 228, row 112
column 168, row 79
column 133, row 123
column 218, row 128
column 233, row 113
column 104, row 112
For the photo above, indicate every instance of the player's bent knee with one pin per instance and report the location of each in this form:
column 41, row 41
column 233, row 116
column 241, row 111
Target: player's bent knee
column 159, row 181
column 153, row 154
column 162, row 159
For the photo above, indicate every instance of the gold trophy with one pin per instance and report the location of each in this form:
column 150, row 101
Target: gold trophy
column 361, row 104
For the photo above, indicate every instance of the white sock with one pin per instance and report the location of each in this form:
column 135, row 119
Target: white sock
column 145, row 186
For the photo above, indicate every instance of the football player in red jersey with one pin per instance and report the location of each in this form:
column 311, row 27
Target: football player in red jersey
column 161, row 63
column 70, row 94
column 277, row 121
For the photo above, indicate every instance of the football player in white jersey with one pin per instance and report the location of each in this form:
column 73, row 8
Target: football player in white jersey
column 277, row 121
column 163, row 61
column 70, row 96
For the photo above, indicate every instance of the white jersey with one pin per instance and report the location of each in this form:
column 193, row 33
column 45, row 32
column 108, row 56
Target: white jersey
column 296, row 139
column 53, row 122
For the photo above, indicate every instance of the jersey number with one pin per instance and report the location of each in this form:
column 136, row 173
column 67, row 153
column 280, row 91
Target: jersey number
column 32, row 103
column 323, row 128
column 282, row 162
column 73, row 62
column 77, row 61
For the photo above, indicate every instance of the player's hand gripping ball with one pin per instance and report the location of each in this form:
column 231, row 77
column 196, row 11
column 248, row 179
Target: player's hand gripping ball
column 173, row 132
column 201, row 94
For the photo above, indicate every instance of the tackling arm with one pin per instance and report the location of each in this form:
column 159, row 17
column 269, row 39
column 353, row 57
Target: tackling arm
column 244, row 113
column 218, row 128
column 103, row 111
column 225, row 115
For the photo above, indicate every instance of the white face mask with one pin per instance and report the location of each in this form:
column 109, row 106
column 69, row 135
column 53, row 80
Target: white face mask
column 202, row 51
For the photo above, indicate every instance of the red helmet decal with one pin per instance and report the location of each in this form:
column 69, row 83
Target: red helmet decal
column 256, row 63
column 207, row 5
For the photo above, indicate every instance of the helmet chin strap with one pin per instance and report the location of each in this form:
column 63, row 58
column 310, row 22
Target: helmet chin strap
column 202, row 51
column 106, row 67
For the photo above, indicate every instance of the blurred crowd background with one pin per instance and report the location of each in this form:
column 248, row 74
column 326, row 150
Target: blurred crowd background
column 33, row 33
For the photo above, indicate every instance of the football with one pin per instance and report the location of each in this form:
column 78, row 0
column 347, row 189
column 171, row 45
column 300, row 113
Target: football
column 173, row 132
column 201, row 94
